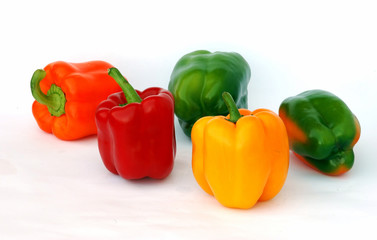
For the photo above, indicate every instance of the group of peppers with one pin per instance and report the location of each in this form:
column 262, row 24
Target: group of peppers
column 239, row 156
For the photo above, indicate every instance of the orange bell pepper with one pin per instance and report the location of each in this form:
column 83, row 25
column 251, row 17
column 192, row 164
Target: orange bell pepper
column 67, row 95
column 242, row 158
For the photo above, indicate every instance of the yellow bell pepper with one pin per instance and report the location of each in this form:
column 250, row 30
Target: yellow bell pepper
column 242, row 158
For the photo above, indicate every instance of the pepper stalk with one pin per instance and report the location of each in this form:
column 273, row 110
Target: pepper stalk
column 129, row 92
column 234, row 114
column 54, row 99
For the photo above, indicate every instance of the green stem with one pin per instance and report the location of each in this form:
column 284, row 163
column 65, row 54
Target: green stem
column 232, row 108
column 128, row 90
column 54, row 99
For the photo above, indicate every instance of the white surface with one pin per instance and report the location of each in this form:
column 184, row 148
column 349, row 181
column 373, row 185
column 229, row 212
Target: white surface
column 51, row 189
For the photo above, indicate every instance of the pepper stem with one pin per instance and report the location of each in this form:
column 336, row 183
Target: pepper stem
column 232, row 108
column 54, row 99
column 128, row 90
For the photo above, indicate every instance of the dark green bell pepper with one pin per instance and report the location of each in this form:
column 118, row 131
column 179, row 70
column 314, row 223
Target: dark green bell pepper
column 322, row 130
column 198, row 81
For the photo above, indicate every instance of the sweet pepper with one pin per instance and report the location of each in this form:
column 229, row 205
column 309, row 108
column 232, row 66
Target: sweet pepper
column 198, row 80
column 242, row 158
column 322, row 130
column 136, row 136
column 67, row 95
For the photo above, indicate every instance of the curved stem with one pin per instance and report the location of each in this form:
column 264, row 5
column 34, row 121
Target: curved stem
column 232, row 108
column 54, row 99
column 128, row 90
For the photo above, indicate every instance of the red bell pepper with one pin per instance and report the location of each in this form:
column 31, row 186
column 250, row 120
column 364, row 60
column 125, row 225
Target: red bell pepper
column 136, row 136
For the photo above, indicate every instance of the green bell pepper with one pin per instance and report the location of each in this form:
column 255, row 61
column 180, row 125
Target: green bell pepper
column 198, row 81
column 322, row 130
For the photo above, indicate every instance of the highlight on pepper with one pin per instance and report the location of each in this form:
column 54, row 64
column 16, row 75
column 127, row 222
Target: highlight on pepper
column 322, row 130
column 242, row 158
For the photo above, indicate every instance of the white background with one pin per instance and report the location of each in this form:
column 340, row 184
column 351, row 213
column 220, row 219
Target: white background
column 52, row 189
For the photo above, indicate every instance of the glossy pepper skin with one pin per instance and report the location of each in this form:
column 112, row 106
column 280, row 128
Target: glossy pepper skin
column 240, row 160
column 67, row 95
column 198, row 80
column 322, row 130
column 136, row 136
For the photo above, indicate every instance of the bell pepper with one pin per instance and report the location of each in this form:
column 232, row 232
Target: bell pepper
column 198, row 80
column 322, row 130
column 242, row 158
column 136, row 136
column 66, row 97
